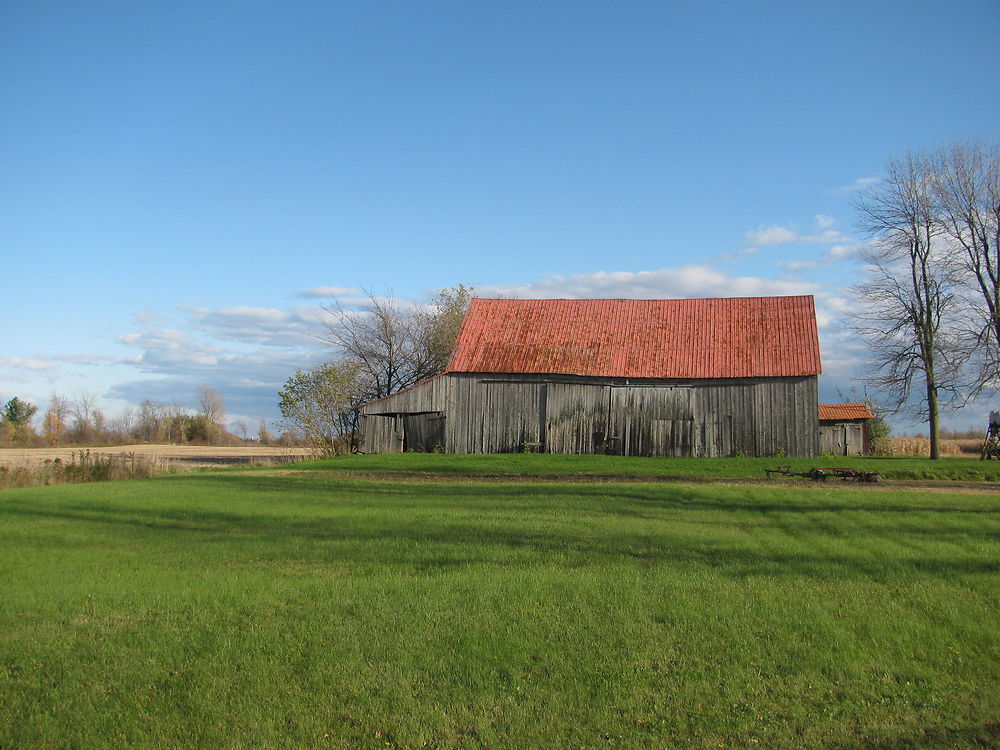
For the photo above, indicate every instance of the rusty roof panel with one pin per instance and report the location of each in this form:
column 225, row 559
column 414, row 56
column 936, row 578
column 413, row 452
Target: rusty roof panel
column 679, row 338
column 838, row 412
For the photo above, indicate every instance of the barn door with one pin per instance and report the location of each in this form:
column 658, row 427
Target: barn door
column 576, row 418
column 512, row 416
column 854, row 440
column 423, row 433
column 652, row 421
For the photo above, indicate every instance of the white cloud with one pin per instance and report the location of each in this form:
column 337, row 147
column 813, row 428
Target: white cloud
column 859, row 184
column 94, row 360
column 771, row 236
column 31, row 364
column 777, row 235
column 683, row 282
column 164, row 350
column 843, row 252
column 835, row 254
column 735, row 255
column 824, row 222
column 800, row 265
column 247, row 377
column 329, row 292
column 299, row 326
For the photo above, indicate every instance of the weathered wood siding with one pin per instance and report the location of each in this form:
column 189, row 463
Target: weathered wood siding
column 576, row 418
column 476, row 413
column 758, row 417
column 843, row 439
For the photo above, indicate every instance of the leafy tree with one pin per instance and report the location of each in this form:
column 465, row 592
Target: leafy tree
column 438, row 325
column 322, row 404
column 17, row 415
column 879, row 430
column 197, row 428
column 18, row 412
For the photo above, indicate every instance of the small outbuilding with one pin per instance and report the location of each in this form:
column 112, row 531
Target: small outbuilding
column 678, row 377
column 845, row 429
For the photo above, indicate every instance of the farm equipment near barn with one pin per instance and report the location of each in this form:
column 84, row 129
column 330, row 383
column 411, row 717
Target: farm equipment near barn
column 846, row 474
column 991, row 446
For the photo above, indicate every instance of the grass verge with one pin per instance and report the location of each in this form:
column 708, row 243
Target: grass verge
column 305, row 610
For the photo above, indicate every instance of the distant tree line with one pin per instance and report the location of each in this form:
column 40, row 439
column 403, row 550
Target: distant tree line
column 378, row 351
column 78, row 421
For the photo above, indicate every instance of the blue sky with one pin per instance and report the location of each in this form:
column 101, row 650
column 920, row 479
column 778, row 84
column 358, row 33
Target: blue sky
column 183, row 184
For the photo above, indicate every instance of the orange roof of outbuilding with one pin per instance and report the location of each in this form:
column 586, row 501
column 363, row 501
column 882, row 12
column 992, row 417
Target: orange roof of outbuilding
column 837, row 412
column 736, row 337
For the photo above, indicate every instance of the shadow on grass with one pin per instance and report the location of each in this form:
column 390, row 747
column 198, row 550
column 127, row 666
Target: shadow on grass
column 604, row 496
column 985, row 736
column 435, row 527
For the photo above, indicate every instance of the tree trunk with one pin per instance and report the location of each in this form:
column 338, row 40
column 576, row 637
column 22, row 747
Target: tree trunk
column 932, row 416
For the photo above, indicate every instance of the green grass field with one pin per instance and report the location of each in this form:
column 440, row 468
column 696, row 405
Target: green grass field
column 318, row 608
column 530, row 466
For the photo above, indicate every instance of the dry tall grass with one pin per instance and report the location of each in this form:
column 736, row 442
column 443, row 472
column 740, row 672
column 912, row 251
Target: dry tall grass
column 921, row 446
column 84, row 466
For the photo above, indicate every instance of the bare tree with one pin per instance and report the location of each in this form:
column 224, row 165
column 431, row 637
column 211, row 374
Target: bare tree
column 83, row 407
column 909, row 292
column 56, row 417
column 100, row 424
column 122, row 426
column 150, row 422
column 212, row 408
column 967, row 190
column 395, row 346
column 210, row 404
column 380, row 339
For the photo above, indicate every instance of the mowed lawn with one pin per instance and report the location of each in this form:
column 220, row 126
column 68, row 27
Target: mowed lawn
column 284, row 608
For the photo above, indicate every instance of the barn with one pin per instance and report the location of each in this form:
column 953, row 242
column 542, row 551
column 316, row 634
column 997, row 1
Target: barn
column 678, row 377
column 845, row 429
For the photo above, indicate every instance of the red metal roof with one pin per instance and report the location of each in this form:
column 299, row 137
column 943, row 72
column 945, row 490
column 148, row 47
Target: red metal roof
column 638, row 338
column 841, row 412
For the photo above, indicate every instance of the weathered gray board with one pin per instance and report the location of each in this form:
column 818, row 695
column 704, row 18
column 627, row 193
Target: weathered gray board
column 474, row 413
column 842, row 439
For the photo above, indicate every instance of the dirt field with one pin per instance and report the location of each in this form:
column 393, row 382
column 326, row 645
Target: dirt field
column 188, row 455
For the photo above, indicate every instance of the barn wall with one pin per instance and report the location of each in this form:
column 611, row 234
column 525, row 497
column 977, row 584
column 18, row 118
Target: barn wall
column 381, row 434
column 501, row 414
column 758, row 417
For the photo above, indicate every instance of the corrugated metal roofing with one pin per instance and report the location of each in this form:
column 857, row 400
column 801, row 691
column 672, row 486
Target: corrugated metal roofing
column 839, row 412
column 636, row 338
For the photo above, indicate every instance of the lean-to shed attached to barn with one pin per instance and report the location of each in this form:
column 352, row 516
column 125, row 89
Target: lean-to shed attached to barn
column 696, row 377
